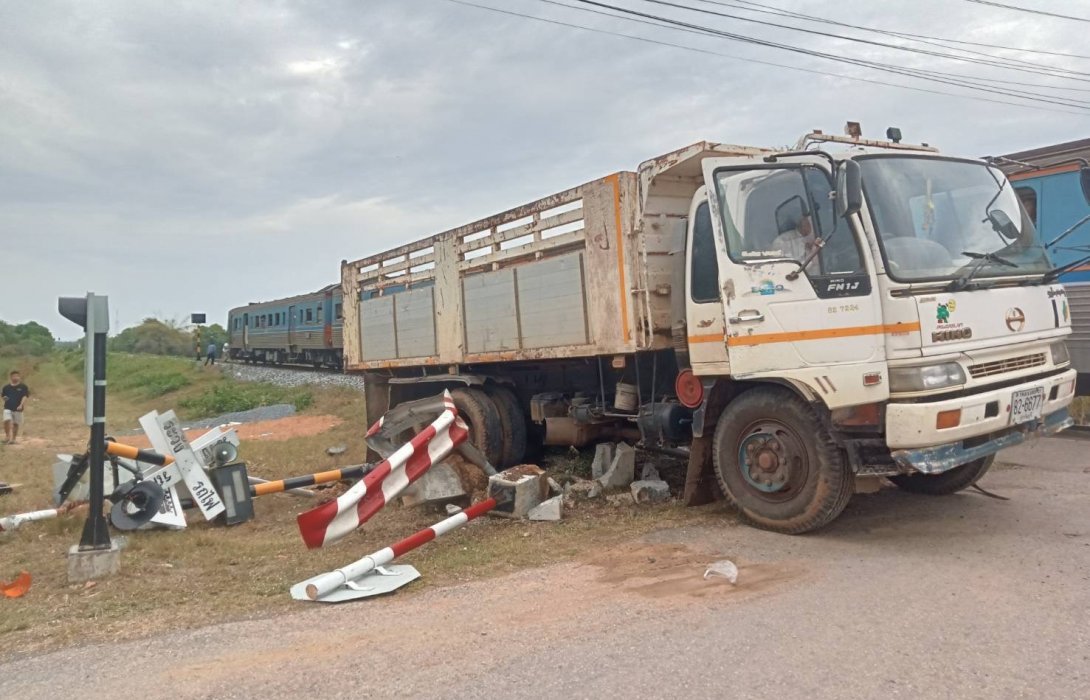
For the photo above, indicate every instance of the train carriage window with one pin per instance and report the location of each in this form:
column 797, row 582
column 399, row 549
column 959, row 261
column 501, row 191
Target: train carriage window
column 1029, row 201
column 338, row 311
column 310, row 315
column 321, row 314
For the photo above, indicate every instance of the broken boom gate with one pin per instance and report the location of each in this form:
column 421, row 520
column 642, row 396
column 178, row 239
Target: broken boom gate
column 331, row 521
column 367, row 576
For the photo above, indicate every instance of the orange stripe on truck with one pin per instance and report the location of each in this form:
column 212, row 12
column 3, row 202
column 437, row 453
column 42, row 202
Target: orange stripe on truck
column 821, row 334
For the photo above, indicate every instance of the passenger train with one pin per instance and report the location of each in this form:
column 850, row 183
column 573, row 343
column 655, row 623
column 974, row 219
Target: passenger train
column 304, row 329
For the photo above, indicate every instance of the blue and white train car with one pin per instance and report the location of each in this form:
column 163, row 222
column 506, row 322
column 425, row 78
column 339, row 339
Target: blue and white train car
column 1047, row 181
column 304, row 329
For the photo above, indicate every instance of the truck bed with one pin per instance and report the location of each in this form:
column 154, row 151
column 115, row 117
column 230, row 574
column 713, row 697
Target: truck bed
column 548, row 279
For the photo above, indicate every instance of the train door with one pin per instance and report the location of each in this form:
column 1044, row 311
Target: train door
column 291, row 328
column 327, row 317
column 245, row 331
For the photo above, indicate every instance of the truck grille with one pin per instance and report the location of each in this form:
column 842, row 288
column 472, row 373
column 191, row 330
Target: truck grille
column 1011, row 364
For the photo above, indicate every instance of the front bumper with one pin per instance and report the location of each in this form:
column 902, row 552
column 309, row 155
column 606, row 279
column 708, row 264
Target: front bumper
column 913, row 425
column 935, row 460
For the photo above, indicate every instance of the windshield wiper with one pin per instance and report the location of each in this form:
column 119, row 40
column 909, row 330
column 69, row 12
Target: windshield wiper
column 1057, row 271
column 979, row 260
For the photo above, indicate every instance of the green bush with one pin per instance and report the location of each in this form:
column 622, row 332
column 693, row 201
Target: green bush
column 25, row 339
column 230, row 396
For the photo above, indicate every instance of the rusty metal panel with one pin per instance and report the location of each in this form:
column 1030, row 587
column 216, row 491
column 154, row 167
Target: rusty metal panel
column 491, row 311
column 551, row 302
column 414, row 316
column 378, row 338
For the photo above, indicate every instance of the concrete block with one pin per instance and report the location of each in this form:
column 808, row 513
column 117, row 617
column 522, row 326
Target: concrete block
column 578, row 490
column 649, row 472
column 622, row 470
column 603, row 458
column 650, row 491
column 518, row 489
column 93, row 564
column 440, row 484
column 547, row 510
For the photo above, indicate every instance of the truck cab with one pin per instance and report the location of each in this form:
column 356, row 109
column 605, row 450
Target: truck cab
column 900, row 297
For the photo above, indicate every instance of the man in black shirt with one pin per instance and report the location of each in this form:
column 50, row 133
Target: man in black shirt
column 15, row 394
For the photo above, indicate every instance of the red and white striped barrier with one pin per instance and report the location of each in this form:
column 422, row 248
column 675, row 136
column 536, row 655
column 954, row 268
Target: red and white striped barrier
column 331, row 521
column 320, row 587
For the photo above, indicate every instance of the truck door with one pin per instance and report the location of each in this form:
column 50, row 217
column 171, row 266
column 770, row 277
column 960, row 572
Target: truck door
column 821, row 325
column 706, row 328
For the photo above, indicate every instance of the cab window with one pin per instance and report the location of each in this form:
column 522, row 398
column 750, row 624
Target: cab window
column 704, row 269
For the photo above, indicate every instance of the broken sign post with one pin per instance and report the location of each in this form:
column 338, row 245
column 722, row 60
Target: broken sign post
column 369, row 576
column 166, row 436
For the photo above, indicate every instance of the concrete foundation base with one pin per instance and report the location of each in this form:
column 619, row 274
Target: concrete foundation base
column 93, row 564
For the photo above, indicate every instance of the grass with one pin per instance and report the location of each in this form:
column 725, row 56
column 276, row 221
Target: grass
column 211, row 573
column 230, row 396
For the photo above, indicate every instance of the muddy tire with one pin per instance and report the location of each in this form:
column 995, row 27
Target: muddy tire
column 483, row 419
column 957, row 479
column 776, row 463
column 513, row 423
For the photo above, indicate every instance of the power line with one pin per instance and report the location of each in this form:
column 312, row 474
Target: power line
column 749, row 6
column 933, row 76
column 959, row 79
column 1029, row 10
column 773, row 64
column 992, row 61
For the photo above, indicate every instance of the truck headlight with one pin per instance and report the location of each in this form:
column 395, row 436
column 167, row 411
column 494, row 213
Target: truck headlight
column 1059, row 353
column 905, row 379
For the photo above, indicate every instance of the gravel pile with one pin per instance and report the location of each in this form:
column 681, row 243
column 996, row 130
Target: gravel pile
column 283, row 376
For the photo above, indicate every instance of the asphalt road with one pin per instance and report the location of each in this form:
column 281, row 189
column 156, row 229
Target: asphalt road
column 905, row 596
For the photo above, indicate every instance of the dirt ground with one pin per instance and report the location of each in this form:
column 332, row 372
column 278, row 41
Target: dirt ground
column 903, row 596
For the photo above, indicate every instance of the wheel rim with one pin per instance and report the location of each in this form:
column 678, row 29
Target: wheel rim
column 772, row 459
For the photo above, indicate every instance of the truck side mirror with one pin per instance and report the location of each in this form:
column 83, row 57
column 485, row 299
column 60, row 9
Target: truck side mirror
column 1084, row 182
column 849, row 188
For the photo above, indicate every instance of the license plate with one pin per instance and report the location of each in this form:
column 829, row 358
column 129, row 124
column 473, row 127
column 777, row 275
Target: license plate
column 1026, row 405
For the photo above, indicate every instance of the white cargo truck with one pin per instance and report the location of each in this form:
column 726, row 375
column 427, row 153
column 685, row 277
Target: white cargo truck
column 790, row 321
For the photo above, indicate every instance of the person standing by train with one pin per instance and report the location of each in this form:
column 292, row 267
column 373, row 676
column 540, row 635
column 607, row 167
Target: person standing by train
column 210, row 355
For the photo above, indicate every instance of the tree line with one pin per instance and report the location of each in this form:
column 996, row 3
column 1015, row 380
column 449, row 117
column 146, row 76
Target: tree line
column 152, row 336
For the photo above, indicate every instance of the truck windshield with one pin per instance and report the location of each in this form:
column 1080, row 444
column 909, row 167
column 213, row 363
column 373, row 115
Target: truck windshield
column 940, row 219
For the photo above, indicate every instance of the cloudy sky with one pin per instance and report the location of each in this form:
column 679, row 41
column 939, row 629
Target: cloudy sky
column 193, row 156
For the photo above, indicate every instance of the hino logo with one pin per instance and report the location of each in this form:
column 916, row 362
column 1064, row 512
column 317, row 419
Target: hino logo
column 1015, row 319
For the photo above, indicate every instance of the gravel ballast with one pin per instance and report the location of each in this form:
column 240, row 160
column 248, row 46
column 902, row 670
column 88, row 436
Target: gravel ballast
column 288, row 376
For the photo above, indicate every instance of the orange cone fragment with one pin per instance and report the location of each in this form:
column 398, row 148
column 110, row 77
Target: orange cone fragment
column 18, row 587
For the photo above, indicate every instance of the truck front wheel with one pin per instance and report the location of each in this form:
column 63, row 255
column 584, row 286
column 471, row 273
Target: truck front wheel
column 946, row 483
column 776, row 463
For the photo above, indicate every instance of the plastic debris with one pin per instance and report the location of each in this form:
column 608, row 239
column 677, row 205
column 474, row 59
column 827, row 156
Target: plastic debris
column 723, row 569
column 16, row 588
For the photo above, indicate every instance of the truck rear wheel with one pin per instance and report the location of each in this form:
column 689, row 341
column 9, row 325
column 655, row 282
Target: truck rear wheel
column 946, row 483
column 776, row 463
column 513, row 423
column 483, row 419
